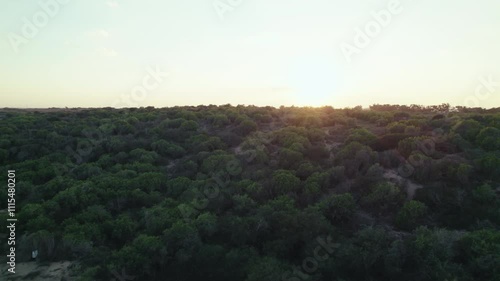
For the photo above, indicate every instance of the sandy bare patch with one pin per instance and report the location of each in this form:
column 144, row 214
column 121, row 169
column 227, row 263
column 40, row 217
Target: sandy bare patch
column 36, row 272
column 409, row 186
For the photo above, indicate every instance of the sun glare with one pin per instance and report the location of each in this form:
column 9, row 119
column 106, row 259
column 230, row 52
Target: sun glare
column 313, row 82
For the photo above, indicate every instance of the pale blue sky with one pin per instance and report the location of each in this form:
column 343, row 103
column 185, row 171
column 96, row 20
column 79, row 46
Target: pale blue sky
column 266, row 52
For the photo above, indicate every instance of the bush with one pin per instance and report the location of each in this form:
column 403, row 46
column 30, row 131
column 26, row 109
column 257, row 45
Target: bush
column 480, row 252
column 411, row 213
column 396, row 128
column 362, row 136
column 489, row 138
column 468, row 129
column 383, row 197
column 246, row 127
column 165, row 148
column 189, row 126
column 289, row 158
column 356, row 158
column 338, row 208
column 285, row 181
column 409, row 145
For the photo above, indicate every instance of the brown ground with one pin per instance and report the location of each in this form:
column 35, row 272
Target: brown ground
column 32, row 271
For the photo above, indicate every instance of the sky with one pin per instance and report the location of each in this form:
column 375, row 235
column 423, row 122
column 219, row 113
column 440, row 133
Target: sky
column 126, row 53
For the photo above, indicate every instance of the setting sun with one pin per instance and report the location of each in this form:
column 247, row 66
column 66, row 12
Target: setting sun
column 313, row 81
column 250, row 140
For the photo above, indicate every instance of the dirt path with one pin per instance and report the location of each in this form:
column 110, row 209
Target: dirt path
column 410, row 187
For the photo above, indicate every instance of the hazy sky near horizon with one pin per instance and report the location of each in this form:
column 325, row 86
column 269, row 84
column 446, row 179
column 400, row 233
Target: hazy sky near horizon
column 98, row 53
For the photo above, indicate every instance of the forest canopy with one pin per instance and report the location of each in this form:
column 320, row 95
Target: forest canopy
column 258, row 193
